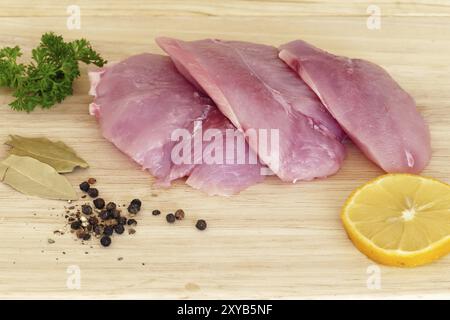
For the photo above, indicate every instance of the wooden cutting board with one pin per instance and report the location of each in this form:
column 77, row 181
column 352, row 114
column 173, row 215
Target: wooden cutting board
column 274, row 240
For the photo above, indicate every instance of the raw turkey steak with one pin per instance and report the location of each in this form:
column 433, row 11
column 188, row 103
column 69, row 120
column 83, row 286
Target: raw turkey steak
column 140, row 103
column 377, row 114
column 257, row 91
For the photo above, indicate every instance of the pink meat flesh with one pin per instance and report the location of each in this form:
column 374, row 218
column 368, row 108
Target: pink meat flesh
column 141, row 101
column 256, row 90
column 223, row 178
column 377, row 114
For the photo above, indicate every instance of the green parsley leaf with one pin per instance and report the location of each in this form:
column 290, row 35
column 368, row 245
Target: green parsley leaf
column 48, row 79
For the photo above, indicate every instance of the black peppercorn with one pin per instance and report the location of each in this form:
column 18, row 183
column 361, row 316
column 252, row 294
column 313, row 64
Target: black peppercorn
column 201, row 224
column 99, row 203
column 115, row 214
column 119, row 229
column 133, row 209
column 156, row 212
column 104, row 215
column 131, row 222
column 98, row 230
column 136, row 202
column 170, row 218
column 105, row 241
column 84, row 186
column 93, row 193
column 93, row 221
column 179, row 214
column 75, row 225
column 108, row 231
column 86, row 209
column 111, row 206
column 122, row 220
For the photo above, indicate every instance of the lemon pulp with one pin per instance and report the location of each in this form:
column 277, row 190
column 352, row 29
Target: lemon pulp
column 400, row 219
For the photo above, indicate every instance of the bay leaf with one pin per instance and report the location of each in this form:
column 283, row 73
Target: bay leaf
column 56, row 154
column 32, row 177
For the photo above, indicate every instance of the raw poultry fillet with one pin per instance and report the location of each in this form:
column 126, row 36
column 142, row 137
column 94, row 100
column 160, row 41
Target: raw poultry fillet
column 376, row 113
column 257, row 91
column 141, row 101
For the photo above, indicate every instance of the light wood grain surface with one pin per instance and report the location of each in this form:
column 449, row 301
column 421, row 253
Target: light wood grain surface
column 274, row 240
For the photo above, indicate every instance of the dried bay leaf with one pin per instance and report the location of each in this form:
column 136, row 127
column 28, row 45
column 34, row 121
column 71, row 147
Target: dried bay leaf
column 35, row 178
column 56, row 154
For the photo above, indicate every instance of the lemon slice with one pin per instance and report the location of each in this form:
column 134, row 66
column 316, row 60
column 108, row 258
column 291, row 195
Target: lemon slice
column 400, row 219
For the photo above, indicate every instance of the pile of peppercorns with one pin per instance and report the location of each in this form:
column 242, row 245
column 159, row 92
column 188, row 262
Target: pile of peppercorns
column 102, row 219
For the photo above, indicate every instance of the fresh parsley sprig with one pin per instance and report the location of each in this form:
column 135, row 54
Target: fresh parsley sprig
column 48, row 79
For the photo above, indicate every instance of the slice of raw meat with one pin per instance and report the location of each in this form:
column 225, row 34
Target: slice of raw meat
column 224, row 179
column 258, row 92
column 142, row 101
column 377, row 114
